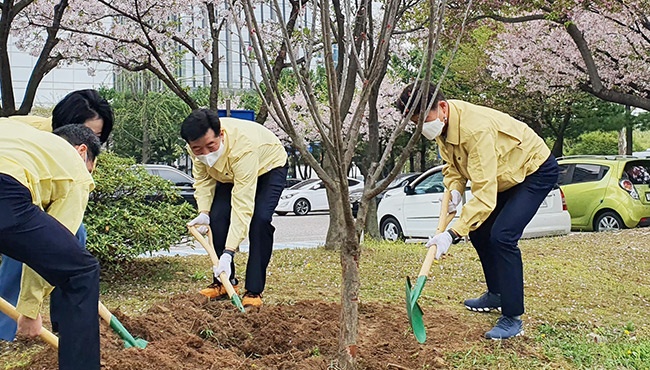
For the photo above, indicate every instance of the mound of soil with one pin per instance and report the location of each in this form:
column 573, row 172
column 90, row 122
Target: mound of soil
column 188, row 332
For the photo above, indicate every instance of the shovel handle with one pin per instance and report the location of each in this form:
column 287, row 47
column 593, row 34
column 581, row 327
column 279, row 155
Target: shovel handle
column 208, row 246
column 443, row 221
column 46, row 335
column 205, row 244
column 104, row 313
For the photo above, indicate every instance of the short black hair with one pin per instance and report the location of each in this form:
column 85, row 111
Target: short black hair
column 81, row 105
column 198, row 123
column 418, row 107
column 80, row 134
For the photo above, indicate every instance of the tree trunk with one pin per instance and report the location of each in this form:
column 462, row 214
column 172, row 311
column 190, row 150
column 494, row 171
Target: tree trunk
column 628, row 130
column 214, row 63
column 146, row 142
column 349, row 330
column 372, row 155
column 558, row 146
column 621, row 141
column 372, row 224
column 423, row 154
column 6, row 80
column 336, row 229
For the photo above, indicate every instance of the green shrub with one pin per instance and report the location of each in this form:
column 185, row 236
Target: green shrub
column 596, row 142
column 131, row 212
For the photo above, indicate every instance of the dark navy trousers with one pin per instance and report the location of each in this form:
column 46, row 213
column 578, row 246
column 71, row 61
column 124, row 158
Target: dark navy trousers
column 11, row 272
column 496, row 240
column 35, row 238
column 260, row 233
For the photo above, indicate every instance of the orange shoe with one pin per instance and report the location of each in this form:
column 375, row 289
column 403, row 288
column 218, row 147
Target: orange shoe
column 217, row 291
column 252, row 300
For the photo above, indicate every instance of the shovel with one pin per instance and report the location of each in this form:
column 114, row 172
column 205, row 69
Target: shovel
column 413, row 309
column 116, row 325
column 225, row 280
column 46, row 335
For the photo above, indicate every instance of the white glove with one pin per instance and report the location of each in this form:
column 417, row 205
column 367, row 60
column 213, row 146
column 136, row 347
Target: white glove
column 442, row 241
column 224, row 265
column 455, row 200
column 202, row 221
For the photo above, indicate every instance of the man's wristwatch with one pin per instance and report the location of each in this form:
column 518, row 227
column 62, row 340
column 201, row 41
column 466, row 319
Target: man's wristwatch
column 455, row 238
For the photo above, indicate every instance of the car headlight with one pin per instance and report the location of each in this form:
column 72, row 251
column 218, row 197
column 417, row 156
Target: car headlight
column 287, row 196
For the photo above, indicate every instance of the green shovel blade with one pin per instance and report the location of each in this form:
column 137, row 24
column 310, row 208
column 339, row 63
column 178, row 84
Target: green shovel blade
column 237, row 302
column 129, row 340
column 414, row 310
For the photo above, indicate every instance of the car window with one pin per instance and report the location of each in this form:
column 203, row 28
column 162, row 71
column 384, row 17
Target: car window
column 173, row 176
column 565, row 174
column 305, row 184
column 638, row 172
column 398, row 181
column 352, row 182
column 588, row 172
column 430, row 184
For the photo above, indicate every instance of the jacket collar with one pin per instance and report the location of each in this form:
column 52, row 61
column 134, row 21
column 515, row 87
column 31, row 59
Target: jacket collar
column 453, row 125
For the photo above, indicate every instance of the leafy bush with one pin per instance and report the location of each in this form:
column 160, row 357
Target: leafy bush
column 131, row 212
column 596, row 142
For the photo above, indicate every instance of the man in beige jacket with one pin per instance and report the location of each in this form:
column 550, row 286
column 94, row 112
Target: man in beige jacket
column 511, row 170
column 240, row 168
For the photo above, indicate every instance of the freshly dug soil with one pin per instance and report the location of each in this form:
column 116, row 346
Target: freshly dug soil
column 188, row 332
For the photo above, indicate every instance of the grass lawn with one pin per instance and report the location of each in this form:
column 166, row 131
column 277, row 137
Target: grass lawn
column 587, row 296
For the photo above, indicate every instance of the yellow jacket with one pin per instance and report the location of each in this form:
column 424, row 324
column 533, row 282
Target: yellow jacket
column 38, row 122
column 59, row 182
column 492, row 150
column 251, row 150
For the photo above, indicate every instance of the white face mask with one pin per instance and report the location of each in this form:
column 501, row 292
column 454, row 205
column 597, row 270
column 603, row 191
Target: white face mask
column 211, row 158
column 432, row 129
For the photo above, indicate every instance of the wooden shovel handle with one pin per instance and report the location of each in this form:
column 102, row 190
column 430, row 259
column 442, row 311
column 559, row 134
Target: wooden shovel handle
column 46, row 335
column 444, row 220
column 104, row 313
column 209, row 247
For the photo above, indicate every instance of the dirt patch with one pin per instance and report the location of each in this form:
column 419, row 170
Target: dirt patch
column 187, row 332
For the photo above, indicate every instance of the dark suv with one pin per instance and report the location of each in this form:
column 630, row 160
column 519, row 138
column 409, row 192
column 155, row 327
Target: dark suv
column 182, row 181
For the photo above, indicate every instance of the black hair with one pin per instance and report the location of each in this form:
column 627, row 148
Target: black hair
column 81, row 105
column 80, row 134
column 198, row 123
column 420, row 106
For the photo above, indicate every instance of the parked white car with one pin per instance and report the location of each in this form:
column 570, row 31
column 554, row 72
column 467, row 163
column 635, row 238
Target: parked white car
column 413, row 211
column 309, row 195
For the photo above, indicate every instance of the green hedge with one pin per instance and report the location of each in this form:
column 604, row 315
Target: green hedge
column 131, row 212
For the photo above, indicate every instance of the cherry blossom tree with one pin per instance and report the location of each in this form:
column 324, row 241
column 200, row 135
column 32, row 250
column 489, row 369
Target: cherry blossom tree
column 158, row 36
column 41, row 43
column 600, row 47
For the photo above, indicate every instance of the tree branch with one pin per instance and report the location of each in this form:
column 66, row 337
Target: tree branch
column 45, row 62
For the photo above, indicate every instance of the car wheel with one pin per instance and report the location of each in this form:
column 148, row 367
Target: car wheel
column 608, row 221
column 301, row 207
column 281, row 213
column 391, row 230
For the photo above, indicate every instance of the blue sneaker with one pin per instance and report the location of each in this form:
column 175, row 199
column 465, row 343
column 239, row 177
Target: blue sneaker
column 506, row 327
column 485, row 303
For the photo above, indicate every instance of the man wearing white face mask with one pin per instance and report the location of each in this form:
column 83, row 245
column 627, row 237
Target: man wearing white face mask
column 511, row 170
column 240, row 168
